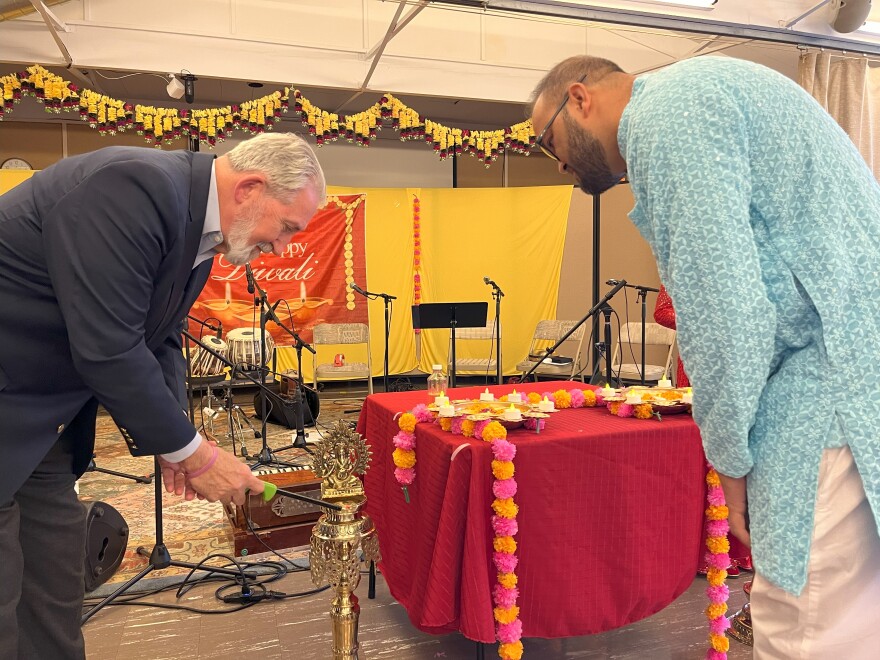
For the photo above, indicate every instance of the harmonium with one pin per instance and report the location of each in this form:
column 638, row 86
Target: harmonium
column 281, row 523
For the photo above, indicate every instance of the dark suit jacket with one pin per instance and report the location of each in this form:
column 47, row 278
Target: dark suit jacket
column 96, row 256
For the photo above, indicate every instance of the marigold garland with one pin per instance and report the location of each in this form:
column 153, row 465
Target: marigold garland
column 417, row 254
column 212, row 125
column 718, row 559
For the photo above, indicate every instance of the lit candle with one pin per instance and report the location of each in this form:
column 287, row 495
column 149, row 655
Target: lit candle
column 441, row 399
column 664, row 382
column 447, row 409
column 688, row 396
column 608, row 391
column 634, row 397
column 515, row 397
column 512, row 414
column 487, row 395
column 546, row 405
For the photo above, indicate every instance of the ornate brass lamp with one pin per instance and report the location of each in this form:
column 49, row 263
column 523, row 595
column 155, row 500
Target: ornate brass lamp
column 339, row 457
column 741, row 622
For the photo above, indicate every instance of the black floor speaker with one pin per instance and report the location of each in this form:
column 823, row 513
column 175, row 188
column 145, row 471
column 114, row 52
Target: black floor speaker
column 106, row 540
column 281, row 409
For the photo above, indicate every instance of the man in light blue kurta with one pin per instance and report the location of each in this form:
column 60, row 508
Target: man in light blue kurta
column 765, row 224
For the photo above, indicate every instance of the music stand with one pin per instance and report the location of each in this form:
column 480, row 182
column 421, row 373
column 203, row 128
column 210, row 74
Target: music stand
column 450, row 315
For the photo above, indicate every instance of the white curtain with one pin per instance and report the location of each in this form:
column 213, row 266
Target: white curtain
column 849, row 89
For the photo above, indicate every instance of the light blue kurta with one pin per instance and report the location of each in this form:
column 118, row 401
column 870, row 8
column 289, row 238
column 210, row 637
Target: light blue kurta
column 765, row 223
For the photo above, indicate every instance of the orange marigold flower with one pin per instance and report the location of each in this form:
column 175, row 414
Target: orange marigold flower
column 502, row 469
column 643, row 411
column 717, row 512
column 613, row 407
column 715, row 610
column 446, row 423
column 407, row 422
column 712, row 478
column 506, row 615
column 719, row 642
column 534, row 397
column 505, row 508
column 589, row 399
column 716, row 576
column 467, row 428
column 511, row 650
column 562, row 399
column 718, row 544
column 494, row 431
column 503, row 397
column 504, row 544
column 404, row 458
column 507, row 580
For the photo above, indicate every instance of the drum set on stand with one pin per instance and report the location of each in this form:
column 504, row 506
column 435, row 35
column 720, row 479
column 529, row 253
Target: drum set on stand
column 242, row 348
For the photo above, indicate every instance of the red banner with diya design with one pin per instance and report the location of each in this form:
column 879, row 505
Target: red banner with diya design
column 311, row 279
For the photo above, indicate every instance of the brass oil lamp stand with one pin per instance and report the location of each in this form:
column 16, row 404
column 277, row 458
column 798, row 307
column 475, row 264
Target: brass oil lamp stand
column 338, row 536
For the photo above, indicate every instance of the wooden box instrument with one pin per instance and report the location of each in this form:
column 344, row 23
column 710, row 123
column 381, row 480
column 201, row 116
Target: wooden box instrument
column 281, row 523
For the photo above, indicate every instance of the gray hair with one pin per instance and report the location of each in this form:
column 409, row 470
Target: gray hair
column 287, row 160
column 568, row 71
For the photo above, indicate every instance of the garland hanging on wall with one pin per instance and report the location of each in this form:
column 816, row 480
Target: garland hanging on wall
column 212, row 125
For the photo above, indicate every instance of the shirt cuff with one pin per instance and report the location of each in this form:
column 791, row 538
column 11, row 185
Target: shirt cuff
column 186, row 452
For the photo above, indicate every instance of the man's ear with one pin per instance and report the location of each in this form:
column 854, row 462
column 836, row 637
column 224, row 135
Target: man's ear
column 249, row 187
column 581, row 98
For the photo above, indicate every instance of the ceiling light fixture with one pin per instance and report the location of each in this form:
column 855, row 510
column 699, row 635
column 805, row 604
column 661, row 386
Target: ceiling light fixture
column 175, row 87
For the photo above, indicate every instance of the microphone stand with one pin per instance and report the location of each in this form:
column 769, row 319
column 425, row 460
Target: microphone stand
column 598, row 307
column 497, row 295
column 267, row 455
column 159, row 557
column 387, row 299
column 299, row 441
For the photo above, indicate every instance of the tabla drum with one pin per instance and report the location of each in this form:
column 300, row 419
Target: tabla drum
column 202, row 363
column 244, row 347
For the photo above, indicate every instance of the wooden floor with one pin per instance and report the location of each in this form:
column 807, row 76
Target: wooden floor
column 300, row 629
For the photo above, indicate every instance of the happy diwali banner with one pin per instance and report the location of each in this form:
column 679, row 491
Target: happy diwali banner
column 311, row 278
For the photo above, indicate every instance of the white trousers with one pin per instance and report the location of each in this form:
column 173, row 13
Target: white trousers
column 837, row 615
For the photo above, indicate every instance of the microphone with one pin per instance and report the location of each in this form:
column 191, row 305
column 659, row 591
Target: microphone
column 355, row 287
column 486, row 280
column 219, row 329
column 631, row 286
column 251, row 285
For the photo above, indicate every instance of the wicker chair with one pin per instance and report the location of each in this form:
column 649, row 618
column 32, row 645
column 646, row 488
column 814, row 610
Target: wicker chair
column 339, row 335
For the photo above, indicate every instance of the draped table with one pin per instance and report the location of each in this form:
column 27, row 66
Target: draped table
column 610, row 517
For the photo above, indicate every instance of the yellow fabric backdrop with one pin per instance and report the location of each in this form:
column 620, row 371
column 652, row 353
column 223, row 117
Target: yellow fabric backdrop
column 513, row 235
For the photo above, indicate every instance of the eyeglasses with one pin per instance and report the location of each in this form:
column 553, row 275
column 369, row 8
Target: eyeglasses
column 540, row 141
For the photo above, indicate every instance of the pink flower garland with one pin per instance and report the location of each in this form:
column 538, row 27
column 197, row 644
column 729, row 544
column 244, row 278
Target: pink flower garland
column 718, row 559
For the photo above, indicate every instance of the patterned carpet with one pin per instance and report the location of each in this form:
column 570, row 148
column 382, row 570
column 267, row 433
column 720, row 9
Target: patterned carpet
column 192, row 530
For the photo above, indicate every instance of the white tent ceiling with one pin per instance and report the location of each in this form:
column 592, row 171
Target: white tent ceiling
column 470, row 64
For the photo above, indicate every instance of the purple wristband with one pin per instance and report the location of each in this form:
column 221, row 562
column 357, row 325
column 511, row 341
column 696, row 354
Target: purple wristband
column 207, row 466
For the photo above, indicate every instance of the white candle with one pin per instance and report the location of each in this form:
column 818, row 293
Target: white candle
column 441, row 400
column 664, row 382
column 515, row 397
column 546, row 405
column 302, row 291
column 688, row 396
column 447, row 410
column 607, row 391
column 634, row 397
column 487, row 395
column 512, row 414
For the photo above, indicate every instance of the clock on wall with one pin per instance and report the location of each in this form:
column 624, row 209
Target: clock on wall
column 15, row 164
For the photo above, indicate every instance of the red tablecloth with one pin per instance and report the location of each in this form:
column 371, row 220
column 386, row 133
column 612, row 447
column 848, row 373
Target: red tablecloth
column 610, row 517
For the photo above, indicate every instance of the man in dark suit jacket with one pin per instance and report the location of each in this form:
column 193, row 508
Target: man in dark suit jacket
column 101, row 256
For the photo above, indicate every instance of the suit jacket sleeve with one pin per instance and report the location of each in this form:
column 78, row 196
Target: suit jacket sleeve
column 107, row 242
column 170, row 358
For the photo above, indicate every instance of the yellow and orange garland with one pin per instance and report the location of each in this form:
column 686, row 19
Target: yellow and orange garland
column 212, row 125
